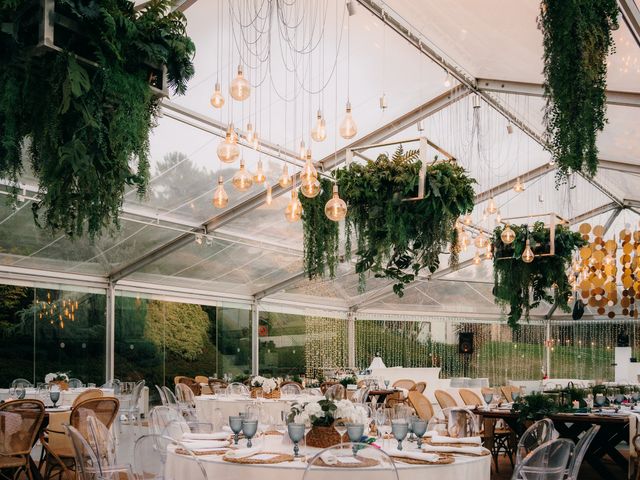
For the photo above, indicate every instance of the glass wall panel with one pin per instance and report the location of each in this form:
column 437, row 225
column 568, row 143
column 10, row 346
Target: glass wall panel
column 282, row 344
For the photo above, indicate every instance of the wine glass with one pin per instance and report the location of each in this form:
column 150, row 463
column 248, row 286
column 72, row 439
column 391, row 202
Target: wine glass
column 21, row 391
column 488, row 398
column 249, row 428
column 386, row 384
column 235, row 424
column 419, row 428
column 355, row 432
column 399, row 428
column 515, row 396
column 296, row 433
column 340, row 427
column 54, row 394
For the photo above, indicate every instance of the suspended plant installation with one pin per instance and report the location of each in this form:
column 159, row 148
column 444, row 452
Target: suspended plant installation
column 531, row 268
column 76, row 107
column 397, row 234
column 577, row 39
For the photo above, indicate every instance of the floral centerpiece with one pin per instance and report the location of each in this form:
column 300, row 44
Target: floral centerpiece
column 57, row 378
column 322, row 414
column 268, row 387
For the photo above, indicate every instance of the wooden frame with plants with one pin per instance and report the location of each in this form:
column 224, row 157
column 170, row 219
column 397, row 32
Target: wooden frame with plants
column 397, row 236
column 77, row 113
column 521, row 286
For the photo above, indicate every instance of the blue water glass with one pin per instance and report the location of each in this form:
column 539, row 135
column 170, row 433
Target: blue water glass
column 399, row 429
column 235, row 424
column 355, row 432
column 249, row 428
column 54, row 395
column 296, row 433
column 515, row 396
column 419, row 428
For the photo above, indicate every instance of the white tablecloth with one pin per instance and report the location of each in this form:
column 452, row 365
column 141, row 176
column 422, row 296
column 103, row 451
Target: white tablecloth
column 180, row 467
column 66, row 396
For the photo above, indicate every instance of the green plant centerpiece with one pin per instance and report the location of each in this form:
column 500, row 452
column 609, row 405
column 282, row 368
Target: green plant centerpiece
column 534, row 407
column 348, row 380
column 397, row 236
column 521, row 286
column 577, row 39
column 77, row 117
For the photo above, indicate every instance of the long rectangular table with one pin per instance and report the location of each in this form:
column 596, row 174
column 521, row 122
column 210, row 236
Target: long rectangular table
column 614, row 429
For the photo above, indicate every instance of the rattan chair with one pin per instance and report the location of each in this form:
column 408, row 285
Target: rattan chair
column 420, row 387
column 421, row 405
column 469, row 397
column 405, row 383
column 445, row 400
column 507, row 390
column 88, row 394
column 191, row 383
column 20, row 422
column 201, row 379
column 215, row 385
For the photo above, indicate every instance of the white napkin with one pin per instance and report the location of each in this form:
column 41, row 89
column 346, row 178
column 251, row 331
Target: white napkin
column 206, row 436
column 205, row 444
column 431, row 433
column 329, row 458
column 466, row 440
column 415, row 455
column 242, row 452
column 404, row 391
column 448, row 449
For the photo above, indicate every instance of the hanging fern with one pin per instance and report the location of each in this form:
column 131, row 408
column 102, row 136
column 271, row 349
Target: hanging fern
column 577, row 38
column 84, row 130
column 522, row 286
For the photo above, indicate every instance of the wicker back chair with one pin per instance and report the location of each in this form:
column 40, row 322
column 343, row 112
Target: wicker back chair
column 445, row 400
column 420, row 387
column 88, row 394
column 469, row 397
column 405, row 383
column 421, row 405
column 20, row 422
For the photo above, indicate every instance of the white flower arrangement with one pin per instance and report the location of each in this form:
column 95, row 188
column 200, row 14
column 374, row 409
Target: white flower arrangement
column 324, row 412
column 56, row 377
column 268, row 384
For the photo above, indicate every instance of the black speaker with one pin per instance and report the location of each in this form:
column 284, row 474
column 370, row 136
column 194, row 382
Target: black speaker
column 465, row 342
column 578, row 310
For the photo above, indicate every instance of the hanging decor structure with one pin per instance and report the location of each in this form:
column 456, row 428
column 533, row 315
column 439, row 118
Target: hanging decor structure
column 57, row 311
column 533, row 266
column 577, row 37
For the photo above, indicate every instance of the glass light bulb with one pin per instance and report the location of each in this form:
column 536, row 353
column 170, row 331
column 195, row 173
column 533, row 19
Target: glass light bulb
column 242, row 180
column 228, row 150
column 519, row 186
column 240, row 88
column 217, row 100
column 285, row 178
column 336, row 208
column 259, row 177
column 491, row 206
column 467, row 219
column 348, row 127
column 309, row 172
column 489, row 254
column 508, row 235
column 269, row 195
column 527, row 255
column 480, row 241
column 476, row 258
column 310, row 189
column 293, row 212
column 319, row 130
column 220, row 197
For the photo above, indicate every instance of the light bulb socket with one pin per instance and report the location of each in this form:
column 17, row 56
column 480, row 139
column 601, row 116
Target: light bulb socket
column 348, row 107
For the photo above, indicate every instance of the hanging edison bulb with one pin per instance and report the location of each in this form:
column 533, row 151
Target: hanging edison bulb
column 309, row 172
column 240, row 88
column 269, row 195
column 293, row 212
column 508, row 235
column 242, row 180
column 303, row 150
column 285, row 178
column 228, row 150
column 220, row 197
column 491, row 206
column 527, row 255
column 252, row 136
column 311, row 189
column 319, row 130
column 336, row 208
column 348, row 127
column 259, row 177
column 217, row 100
column 476, row 258
column 480, row 241
column 467, row 219
column 489, row 254
column 519, row 186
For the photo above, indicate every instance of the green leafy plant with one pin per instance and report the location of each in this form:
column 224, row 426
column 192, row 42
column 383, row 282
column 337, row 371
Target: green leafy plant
column 522, row 286
column 396, row 239
column 577, row 38
column 350, row 380
column 535, row 407
column 82, row 126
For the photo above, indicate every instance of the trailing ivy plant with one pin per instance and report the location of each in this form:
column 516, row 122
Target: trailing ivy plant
column 395, row 239
column 522, row 286
column 82, row 128
column 577, row 38
column 321, row 235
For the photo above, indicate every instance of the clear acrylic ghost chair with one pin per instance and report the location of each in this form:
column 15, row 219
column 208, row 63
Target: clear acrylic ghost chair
column 237, row 389
column 132, row 411
column 581, row 449
column 375, row 463
column 170, row 396
column 290, row 390
column 537, row 434
column 335, row 392
column 361, row 395
column 185, row 395
column 87, row 464
column 161, row 394
column 101, row 440
column 161, row 417
column 461, row 422
column 150, row 459
column 547, row 462
column 75, row 383
column 21, row 382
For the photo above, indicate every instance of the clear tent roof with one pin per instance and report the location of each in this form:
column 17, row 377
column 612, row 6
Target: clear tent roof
column 253, row 250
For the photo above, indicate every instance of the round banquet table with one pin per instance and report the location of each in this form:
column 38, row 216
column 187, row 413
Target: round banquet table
column 66, row 396
column 206, row 406
column 179, row 467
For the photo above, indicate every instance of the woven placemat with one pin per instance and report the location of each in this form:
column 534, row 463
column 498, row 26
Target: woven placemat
column 182, row 451
column 273, row 432
column 444, row 459
column 364, row 462
column 484, row 453
column 279, row 458
column 451, row 444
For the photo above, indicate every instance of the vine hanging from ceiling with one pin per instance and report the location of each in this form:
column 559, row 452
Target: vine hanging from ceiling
column 577, row 37
column 78, row 119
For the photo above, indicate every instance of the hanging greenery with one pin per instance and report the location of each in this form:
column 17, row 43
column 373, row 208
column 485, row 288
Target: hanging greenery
column 321, row 235
column 577, row 38
column 522, row 286
column 396, row 239
column 82, row 127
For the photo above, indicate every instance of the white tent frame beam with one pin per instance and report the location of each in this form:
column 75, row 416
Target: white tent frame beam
column 631, row 16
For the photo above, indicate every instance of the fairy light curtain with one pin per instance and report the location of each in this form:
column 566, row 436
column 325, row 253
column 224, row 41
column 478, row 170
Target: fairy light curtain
column 325, row 345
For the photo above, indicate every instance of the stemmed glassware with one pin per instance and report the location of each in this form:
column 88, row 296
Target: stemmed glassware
column 249, row 428
column 296, row 433
column 54, row 394
column 355, row 432
column 235, row 424
column 419, row 428
column 488, row 398
column 386, row 384
column 340, row 427
column 399, row 428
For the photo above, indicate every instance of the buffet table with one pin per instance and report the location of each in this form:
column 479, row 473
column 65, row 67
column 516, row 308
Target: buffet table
column 179, row 467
